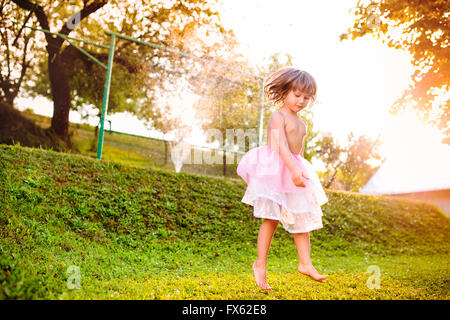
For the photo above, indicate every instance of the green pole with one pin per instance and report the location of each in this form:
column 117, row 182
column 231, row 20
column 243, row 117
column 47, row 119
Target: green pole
column 260, row 113
column 106, row 95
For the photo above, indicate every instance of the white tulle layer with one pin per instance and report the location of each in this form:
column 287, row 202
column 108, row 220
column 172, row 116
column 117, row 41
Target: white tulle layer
column 298, row 212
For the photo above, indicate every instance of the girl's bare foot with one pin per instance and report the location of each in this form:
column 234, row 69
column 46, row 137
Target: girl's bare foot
column 260, row 277
column 310, row 271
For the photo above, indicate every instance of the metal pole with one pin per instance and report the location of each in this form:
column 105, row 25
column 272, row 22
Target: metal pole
column 260, row 113
column 106, row 95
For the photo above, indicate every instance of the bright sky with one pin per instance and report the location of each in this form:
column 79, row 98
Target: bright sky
column 358, row 80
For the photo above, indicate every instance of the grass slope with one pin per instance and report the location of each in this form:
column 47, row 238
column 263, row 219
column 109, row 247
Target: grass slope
column 133, row 150
column 139, row 233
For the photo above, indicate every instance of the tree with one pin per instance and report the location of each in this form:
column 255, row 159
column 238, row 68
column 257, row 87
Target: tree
column 348, row 168
column 422, row 28
column 330, row 153
column 17, row 50
column 58, row 60
column 137, row 68
column 356, row 170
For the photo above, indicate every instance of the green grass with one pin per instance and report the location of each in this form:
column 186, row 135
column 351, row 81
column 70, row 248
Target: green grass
column 149, row 233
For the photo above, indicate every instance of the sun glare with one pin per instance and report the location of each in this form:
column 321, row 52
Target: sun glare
column 413, row 147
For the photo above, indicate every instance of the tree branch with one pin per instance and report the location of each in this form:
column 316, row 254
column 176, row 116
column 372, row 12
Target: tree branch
column 85, row 12
column 38, row 10
column 23, row 26
column 25, row 66
column 39, row 13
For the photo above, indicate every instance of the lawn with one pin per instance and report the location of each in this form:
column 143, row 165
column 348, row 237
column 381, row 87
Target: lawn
column 149, row 233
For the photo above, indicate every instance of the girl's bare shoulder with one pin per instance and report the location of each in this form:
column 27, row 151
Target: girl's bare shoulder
column 277, row 119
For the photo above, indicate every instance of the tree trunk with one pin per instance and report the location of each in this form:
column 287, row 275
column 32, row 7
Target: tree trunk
column 59, row 80
column 9, row 95
column 94, row 143
column 224, row 163
column 10, row 99
column 166, row 153
column 327, row 186
column 60, row 86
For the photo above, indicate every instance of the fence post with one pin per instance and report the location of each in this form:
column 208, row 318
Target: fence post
column 106, row 95
column 260, row 113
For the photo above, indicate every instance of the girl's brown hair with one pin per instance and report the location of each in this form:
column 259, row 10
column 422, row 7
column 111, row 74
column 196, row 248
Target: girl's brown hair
column 279, row 83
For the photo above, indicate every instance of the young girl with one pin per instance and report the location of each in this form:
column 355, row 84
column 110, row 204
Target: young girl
column 281, row 184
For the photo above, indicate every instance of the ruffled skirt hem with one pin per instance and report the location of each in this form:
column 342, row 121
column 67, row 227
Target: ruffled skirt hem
column 273, row 195
column 269, row 208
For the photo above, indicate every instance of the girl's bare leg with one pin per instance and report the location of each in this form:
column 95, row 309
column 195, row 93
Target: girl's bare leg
column 265, row 235
column 303, row 249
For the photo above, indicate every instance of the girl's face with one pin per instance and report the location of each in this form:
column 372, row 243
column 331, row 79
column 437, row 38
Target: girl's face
column 296, row 100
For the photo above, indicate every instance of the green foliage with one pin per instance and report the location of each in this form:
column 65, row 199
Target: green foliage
column 18, row 51
column 347, row 168
column 356, row 171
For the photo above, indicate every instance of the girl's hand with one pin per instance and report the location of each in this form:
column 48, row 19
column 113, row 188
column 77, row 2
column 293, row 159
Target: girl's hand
column 297, row 178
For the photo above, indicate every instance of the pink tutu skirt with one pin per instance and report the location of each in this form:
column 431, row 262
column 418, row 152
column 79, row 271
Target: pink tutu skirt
column 273, row 194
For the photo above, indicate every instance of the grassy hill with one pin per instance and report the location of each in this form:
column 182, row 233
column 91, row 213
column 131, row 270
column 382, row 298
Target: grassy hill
column 125, row 149
column 149, row 233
